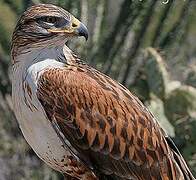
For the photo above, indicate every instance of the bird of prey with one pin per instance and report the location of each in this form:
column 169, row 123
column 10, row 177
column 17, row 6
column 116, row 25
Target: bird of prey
column 79, row 121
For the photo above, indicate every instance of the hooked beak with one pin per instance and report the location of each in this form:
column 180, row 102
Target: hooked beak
column 76, row 29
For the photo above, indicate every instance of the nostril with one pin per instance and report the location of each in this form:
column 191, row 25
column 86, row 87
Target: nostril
column 74, row 25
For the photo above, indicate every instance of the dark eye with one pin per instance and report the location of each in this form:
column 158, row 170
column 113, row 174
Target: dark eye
column 50, row 19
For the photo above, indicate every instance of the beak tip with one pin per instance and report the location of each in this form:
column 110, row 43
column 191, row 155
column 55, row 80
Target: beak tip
column 83, row 31
column 86, row 37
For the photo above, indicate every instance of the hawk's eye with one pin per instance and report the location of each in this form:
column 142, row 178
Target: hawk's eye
column 50, row 19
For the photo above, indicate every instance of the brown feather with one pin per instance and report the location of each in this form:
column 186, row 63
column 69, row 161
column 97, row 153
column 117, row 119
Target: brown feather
column 104, row 121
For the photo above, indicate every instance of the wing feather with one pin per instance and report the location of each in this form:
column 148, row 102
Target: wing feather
column 102, row 120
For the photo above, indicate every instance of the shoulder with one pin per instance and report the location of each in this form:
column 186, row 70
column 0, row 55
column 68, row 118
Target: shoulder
column 37, row 69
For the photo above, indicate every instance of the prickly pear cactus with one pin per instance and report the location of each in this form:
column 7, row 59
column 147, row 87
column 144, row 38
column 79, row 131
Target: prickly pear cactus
column 180, row 109
column 156, row 73
column 191, row 77
column 156, row 106
column 181, row 102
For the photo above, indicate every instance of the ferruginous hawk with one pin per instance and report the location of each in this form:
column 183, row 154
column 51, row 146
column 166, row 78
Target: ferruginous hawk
column 79, row 121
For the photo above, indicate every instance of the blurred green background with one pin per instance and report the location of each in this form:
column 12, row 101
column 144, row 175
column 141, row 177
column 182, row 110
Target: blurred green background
column 147, row 45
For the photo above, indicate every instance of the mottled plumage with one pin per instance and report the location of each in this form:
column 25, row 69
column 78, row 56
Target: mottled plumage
column 80, row 121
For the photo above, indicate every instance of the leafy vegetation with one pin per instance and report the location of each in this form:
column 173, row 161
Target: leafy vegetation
column 146, row 45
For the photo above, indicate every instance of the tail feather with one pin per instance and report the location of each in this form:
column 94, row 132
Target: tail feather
column 180, row 169
column 181, row 165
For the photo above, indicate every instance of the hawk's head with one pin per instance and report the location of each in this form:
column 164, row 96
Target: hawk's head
column 45, row 24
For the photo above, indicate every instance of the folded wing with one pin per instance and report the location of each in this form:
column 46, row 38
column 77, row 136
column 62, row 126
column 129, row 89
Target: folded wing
column 109, row 128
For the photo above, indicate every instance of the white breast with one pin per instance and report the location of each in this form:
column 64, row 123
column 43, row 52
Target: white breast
column 32, row 119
